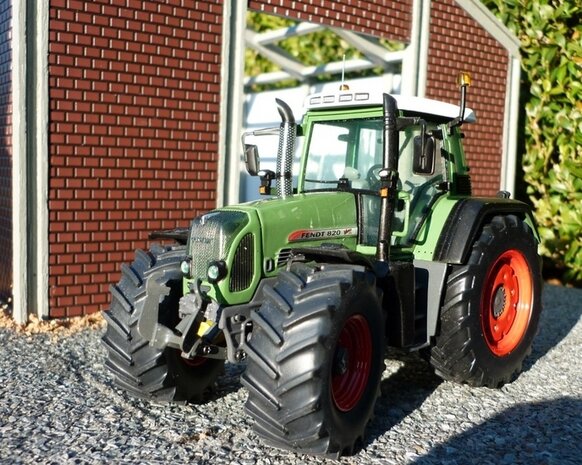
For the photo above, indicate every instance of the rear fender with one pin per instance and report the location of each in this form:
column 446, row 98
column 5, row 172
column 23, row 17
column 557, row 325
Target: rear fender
column 466, row 221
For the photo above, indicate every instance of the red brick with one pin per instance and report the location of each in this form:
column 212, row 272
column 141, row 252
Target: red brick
column 104, row 92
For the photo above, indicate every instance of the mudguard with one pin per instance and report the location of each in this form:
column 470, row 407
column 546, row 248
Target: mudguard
column 180, row 235
column 466, row 220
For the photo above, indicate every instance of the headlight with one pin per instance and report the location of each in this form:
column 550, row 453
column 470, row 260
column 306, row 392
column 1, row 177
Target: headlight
column 216, row 271
column 186, row 267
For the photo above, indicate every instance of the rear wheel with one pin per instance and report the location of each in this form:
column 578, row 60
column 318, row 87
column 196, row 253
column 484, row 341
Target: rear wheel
column 316, row 359
column 138, row 368
column 491, row 308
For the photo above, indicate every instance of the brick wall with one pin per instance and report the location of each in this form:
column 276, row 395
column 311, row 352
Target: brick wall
column 134, row 110
column 5, row 152
column 458, row 43
column 390, row 19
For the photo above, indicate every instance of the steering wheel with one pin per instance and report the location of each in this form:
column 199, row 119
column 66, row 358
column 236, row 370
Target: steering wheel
column 373, row 176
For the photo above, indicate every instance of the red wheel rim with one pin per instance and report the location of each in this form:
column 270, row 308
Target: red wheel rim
column 352, row 363
column 507, row 302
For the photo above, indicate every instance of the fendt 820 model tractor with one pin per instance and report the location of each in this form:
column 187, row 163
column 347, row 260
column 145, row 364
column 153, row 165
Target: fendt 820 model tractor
column 374, row 241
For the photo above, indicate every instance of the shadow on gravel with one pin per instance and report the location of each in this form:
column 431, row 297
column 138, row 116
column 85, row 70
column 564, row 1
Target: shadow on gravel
column 405, row 391
column 545, row 433
column 402, row 393
column 561, row 311
column 229, row 381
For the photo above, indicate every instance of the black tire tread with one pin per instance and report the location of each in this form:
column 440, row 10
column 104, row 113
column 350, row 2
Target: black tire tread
column 138, row 368
column 455, row 357
column 283, row 399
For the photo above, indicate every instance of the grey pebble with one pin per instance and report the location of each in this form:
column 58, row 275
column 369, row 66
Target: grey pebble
column 58, row 405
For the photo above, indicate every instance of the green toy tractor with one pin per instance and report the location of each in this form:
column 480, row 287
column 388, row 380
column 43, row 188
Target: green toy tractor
column 374, row 241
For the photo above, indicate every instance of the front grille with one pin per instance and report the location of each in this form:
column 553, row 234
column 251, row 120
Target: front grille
column 243, row 265
column 211, row 237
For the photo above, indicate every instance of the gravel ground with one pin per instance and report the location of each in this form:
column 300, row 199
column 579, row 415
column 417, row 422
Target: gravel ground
column 57, row 405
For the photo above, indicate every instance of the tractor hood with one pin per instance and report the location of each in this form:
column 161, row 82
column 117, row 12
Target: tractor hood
column 305, row 220
column 234, row 243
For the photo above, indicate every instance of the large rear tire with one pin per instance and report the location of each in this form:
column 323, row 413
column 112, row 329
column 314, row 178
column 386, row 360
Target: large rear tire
column 316, row 358
column 138, row 368
column 491, row 308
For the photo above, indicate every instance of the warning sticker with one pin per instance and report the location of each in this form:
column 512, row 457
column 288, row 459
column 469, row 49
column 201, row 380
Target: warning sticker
column 319, row 234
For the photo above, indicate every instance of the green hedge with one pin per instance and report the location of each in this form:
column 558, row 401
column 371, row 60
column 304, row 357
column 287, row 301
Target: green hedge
column 550, row 33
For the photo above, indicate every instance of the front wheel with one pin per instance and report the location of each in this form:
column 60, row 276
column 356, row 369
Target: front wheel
column 138, row 368
column 491, row 308
column 316, row 359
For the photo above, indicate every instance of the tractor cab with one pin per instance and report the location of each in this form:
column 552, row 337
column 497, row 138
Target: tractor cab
column 343, row 149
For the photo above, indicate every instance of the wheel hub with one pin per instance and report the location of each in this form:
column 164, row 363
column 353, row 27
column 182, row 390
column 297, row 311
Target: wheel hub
column 507, row 302
column 499, row 301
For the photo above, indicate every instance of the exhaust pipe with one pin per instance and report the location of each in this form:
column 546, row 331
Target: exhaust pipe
column 286, row 150
column 388, row 178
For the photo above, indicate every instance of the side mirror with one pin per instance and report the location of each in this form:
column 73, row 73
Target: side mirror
column 252, row 161
column 423, row 159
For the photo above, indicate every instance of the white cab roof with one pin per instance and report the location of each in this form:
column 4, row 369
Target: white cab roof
column 349, row 98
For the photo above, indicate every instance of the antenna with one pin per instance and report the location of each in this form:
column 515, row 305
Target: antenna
column 343, row 85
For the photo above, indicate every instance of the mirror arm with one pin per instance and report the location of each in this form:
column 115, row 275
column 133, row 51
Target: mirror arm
column 402, row 122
